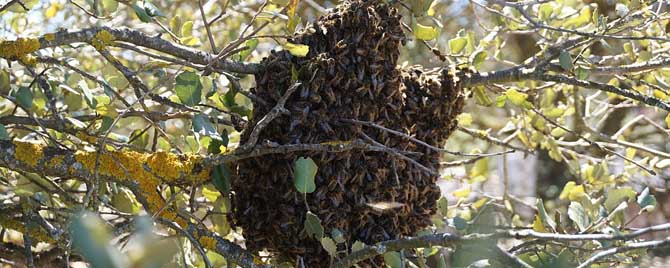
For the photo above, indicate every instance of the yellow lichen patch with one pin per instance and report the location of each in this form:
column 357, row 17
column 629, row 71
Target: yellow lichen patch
column 102, row 39
column 34, row 233
column 28, row 153
column 207, row 242
column 50, row 37
column 82, row 135
column 148, row 170
column 13, row 50
column 56, row 161
column 28, row 60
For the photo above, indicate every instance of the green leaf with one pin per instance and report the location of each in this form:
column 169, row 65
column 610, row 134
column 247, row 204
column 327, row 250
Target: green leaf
column 188, row 88
column 545, row 11
column 582, row 73
column 203, row 126
column 3, row 133
column 22, row 6
column 544, row 217
column 298, row 50
column 500, row 101
column 358, row 245
column 293, row 20
column 176, row 24
column 516, row 97
column 337, row 235
column 565, row 60
column 187, row 29
column 478, row 58
column 578, row 215
column 392, row 259
column 141, row 12
column 214, row 146
column 152, row 10
column 423, row 32
column 615, row 196
column 480, row 170
column 646, row 200
column 4, row 81
column 481, row 97
column 443, row 206
column 109, row 5
column 419, row 7
column 92, row 240
column 457, row 44
column 329, row 245
column 581, row 20
column 220, row 176
column 24, row 97
column 313, row 226
column 251, row 45
column 460, row 223
column 304, row 171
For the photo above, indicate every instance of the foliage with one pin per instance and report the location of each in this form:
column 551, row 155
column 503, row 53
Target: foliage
column 148, row 121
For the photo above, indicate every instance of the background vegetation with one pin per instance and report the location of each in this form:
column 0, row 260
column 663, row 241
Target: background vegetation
column 560, row 158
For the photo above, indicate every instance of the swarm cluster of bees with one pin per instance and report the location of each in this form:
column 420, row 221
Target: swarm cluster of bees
column 350, row 72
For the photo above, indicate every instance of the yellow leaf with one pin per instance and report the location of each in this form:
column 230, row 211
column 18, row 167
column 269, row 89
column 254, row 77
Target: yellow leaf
column 667, row 120
column 481, row 202
column 661, row 95
column 515, row 96
column 298, row 50
column 187, row 29
column 53, row 10
column 572, row 192
column 462, row 193
column 423, row 32
column 464, row 119
column 537, row 225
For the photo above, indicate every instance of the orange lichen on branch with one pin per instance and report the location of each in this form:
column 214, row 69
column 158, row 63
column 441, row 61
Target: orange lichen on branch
column 28, row 152
column 14, row 50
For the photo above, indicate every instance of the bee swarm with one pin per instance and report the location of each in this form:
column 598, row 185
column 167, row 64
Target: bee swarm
column 350, row 72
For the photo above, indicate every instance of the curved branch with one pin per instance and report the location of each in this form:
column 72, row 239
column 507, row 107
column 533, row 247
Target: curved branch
column 452, row 240
column 141, row 39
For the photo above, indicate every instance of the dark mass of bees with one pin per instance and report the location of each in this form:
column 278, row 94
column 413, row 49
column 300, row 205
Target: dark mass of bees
column 350, row 72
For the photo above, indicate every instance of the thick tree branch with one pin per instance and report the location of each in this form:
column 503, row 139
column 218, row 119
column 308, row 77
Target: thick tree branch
column 141, row 39
column 452, row 240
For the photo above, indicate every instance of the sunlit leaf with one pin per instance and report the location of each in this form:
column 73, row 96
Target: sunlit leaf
column 481, row 97
column 457, row 44
column 141, row 12
column 618, row 195
column 298, row 50
column 462, row 193
column 358, row 245
column 392, row 259
column 646, row 200
column 188, row 88
column 578, row 215
column 423, row 32
column 329, row 245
